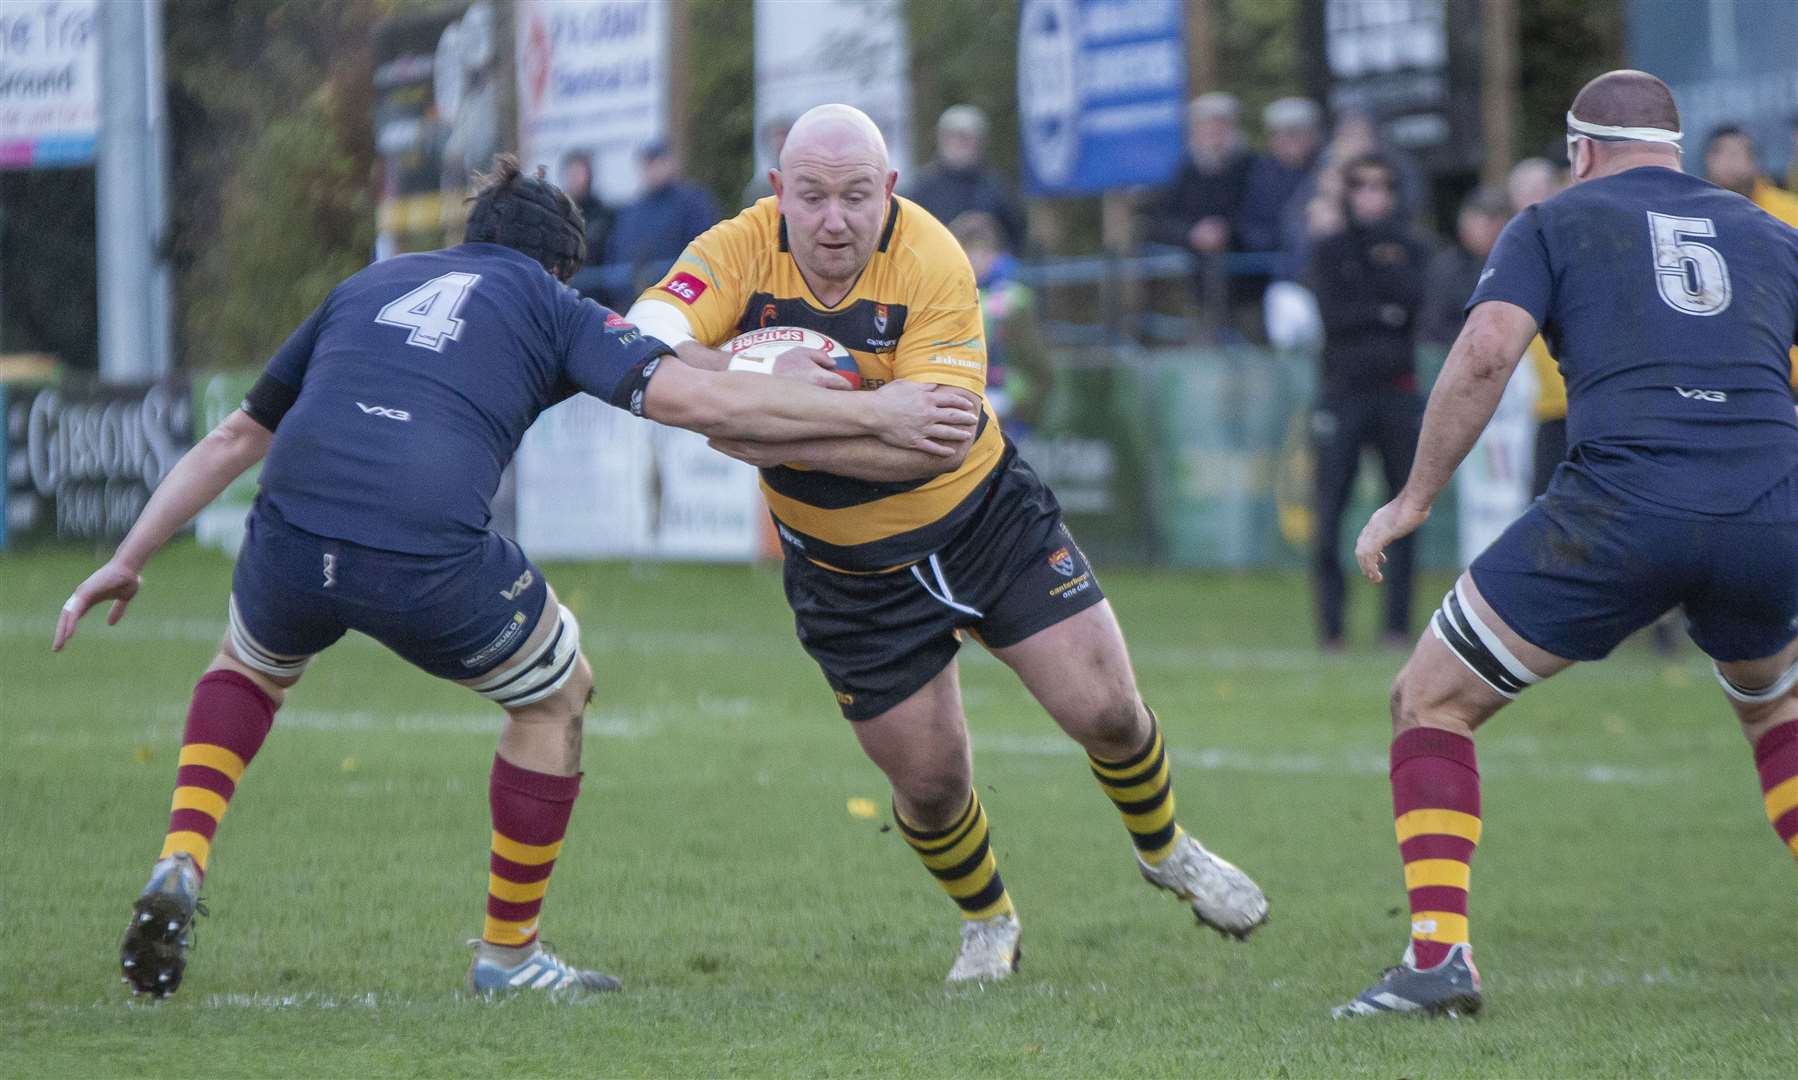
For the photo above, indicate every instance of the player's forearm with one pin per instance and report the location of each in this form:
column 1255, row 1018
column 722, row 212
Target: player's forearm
column 1466, row 395
column 745, row 405
column 197, row 479
column 693, row 354
column 866, row 458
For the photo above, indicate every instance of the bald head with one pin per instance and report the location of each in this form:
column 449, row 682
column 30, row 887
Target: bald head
column 839, row 134
column 1627, row 99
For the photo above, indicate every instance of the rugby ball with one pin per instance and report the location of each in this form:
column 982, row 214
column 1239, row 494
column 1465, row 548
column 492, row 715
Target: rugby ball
column 757, row 350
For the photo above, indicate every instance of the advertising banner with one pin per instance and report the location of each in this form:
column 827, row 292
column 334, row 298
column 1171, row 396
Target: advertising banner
column 81, row 461
column 1101, row 93
column 49, row 83
column 592, row 78
column 1492, row 486
column 821, row 51
column 597, row 483
column 1413, row 66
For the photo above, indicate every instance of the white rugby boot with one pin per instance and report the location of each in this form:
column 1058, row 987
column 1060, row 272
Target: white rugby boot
column 498, row 970
column 989, row 950
column 1223, row 897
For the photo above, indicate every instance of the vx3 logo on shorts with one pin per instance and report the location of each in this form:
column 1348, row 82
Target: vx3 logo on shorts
column 384, row 411
column 330, row 571
column 1715, row 397
column 523, row 583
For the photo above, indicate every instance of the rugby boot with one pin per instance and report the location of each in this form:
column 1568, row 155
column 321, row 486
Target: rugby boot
column 1223, row 897
column 989, row 950
column 1451, row 988
column 499, row 970
column 154, row 953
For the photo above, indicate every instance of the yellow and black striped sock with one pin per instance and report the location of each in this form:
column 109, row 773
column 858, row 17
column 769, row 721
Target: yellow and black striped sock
column 1143, row 789
column 961, row 858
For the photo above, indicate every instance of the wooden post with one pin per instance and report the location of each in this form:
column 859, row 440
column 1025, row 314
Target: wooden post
column 1201, row 49
column 1498, row 88
column 680, row 78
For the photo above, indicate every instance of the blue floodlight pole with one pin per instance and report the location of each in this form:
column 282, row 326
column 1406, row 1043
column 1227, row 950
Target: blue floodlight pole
column 133, row 215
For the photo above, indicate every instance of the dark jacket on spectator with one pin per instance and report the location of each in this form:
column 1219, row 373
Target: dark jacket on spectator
column 1268, row 188
column 1451, row 278
column 1199, row 193
column 949, row 193
column 1369, row 285
column 654, row 230
column 597, row 217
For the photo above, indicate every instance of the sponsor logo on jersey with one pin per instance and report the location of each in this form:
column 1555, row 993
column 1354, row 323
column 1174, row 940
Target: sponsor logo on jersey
column 384, row 411
column 523, row 583
column 1061, row 561
column 879, row 344
column 1714, row 397
column 880, row 318
column 649, row 369
column 685, row 286
column 636, row 403
column 618, row 323
column 956, row 361
column 770, row 315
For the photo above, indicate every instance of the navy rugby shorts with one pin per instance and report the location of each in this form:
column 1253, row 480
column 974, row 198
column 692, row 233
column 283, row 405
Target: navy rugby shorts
column 1575, row 575
column 1012, row 571
column 457, row 617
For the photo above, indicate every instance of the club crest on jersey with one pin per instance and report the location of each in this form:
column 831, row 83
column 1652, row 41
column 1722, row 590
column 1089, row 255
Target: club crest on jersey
column 685, row 286
column 770, row 316
column 880, row 319
column 1061, row 560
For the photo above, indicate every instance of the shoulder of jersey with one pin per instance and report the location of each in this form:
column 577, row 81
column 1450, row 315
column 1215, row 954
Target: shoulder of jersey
column 920, row 237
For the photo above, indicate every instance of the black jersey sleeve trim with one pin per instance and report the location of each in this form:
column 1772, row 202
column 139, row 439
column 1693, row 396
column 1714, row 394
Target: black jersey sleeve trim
column 268, row 401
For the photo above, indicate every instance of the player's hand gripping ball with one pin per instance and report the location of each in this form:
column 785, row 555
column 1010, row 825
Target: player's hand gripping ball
column 761, row 351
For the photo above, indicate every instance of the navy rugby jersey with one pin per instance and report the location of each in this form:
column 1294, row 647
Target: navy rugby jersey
column 417, row 378
column 1671, row 304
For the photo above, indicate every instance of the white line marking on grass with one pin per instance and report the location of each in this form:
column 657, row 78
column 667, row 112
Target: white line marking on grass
column 1352, row 762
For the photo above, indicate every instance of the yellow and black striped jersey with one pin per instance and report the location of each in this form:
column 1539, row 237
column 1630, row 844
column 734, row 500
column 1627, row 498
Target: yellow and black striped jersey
column 914, row 313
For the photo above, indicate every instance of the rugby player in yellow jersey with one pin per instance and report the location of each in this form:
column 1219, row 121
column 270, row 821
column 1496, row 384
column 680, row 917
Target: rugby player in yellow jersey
column 890, row 554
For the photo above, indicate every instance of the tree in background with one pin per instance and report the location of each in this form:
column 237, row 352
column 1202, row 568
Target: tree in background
column 271, row 193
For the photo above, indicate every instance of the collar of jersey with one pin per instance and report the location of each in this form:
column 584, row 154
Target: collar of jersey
column 811, row 297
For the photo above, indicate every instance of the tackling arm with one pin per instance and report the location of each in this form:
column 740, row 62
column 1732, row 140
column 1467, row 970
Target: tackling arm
column 742, row 405
column 202, row 473
column 857, row 458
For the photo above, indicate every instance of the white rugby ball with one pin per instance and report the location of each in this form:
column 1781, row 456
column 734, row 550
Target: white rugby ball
column 757, row 350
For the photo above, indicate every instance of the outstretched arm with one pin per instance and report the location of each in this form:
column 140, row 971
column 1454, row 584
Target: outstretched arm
column 202, row 473
column 858, row 458
column 1465, row 397
column 744, row 405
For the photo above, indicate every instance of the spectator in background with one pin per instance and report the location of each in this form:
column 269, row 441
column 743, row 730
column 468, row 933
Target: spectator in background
column 1018, row 371
column 774, row 136
column 649, row 234
column 1530, row 181
column 1196, row 211
column 1455, row 271
column 959, row 180
column 1316, row 208
column 1792, row 158
column 1294, row 132
column 1731, row 161
column 1368, row 280
column 576, row 176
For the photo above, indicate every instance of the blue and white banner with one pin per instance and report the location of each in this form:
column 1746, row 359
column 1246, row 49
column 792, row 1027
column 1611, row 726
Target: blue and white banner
column 1101, row 93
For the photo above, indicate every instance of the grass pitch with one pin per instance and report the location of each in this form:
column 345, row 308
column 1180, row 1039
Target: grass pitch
column 1633, row 914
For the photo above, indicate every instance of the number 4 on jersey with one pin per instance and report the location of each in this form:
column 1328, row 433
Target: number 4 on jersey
column 430, row 311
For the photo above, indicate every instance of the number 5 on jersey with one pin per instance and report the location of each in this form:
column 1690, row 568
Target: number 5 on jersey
column 430, row 311
column 1692, row 277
